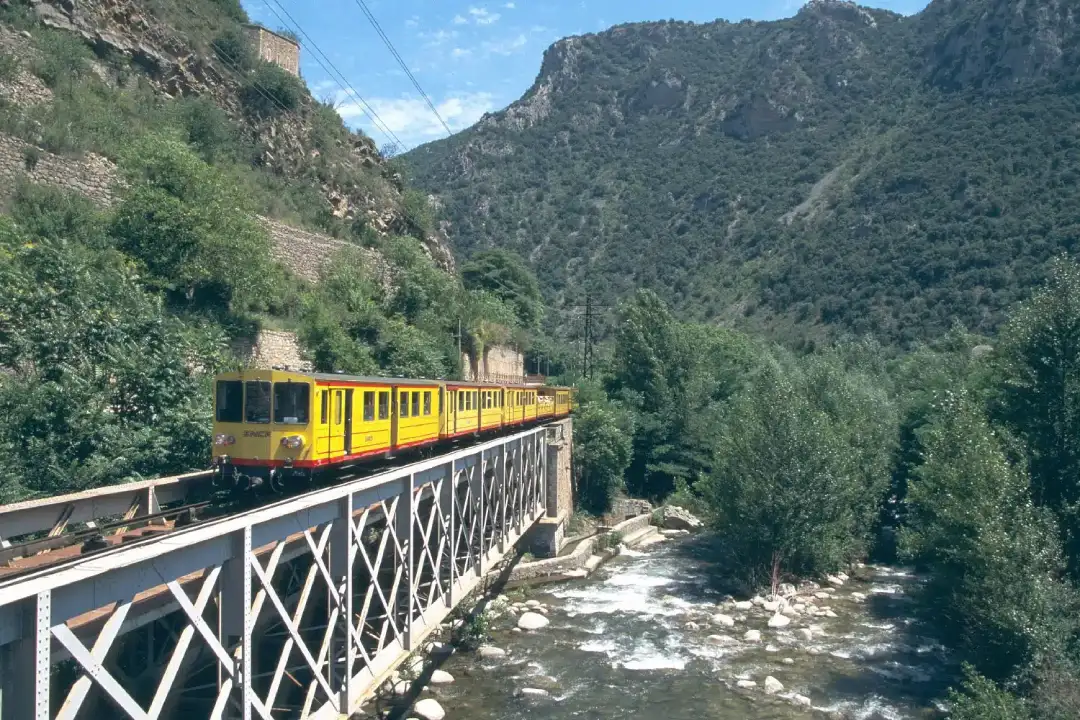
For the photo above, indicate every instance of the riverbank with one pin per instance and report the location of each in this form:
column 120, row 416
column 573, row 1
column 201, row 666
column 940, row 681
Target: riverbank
column 652, row 636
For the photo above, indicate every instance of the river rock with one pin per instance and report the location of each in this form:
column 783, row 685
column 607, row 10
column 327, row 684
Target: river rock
column 429, row 709
column 799, row 607
column 822, row 595
column 532, row 621
column 805, row 634
column 758, row 600
column 830, row 614
column 691, row 625
column 773, row 686
column 677, row 518
column 752, row 636
column 858, row 596
column 833, row 580
column 722, row 619
column 744, row 605
column 441, row 677
column 790, row 611
column 532, row 604
column 801, row 700
column 490, row 652
column 745, row 684
column 779, row 621
column 842, row 576
column 722, row 640
column 786, row 590
column 533, row 692
column 788, row 661
column 674, row 533
column 771, row 605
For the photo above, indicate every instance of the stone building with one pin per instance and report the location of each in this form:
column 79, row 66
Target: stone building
column 275, row 48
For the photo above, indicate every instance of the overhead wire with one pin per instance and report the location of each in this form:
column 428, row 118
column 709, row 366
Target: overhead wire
column 404, row 66
column 377, row 121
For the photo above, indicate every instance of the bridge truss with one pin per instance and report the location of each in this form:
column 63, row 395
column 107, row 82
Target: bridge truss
column 297, row 609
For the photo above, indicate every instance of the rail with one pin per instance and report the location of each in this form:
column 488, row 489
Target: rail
column 129, row 500
column 354, row 576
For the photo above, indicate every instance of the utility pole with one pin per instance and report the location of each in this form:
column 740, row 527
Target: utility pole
column 586, row 369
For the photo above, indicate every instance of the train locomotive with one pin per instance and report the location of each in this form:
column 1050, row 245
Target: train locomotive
column 273, row 428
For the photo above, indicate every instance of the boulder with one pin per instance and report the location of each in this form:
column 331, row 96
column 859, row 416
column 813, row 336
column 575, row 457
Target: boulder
column 779, row 621
column 758, row 600
column 441, row 677
column 830, row 614
column 490, row 652
column 722, row 640
column 532, row 621
column 788, row 661
column 752, row 636
column 676, row 518
column 805, row 634
column 429, row 709
column 771, row 605
column 786, row 590
column 842, row 576
column 773, row 686
column 533, row 692
column 744, row 605
column 746, row 684
column 858, row 596
column 532, row 604
column 801, row 700
column 722, row 619
column 833, row 580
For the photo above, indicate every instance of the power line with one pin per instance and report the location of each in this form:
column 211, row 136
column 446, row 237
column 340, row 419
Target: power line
column 404, row 66
column 377, row 121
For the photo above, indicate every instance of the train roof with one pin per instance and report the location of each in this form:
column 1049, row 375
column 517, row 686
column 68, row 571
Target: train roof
column 380, row 380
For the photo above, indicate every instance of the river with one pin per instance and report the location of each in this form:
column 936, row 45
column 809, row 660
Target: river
column 623, row 643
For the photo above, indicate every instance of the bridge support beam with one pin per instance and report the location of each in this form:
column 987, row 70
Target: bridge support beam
column 547, row 537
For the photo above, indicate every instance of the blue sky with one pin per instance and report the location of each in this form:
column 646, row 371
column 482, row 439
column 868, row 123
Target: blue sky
column 469, row 56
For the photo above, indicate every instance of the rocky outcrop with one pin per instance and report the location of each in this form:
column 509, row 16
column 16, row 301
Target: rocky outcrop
column 677, row 518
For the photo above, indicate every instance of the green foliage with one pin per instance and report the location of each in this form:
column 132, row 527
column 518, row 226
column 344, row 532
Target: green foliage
column 62, row 59
column 419, row 213
column 474, row 630
column 46, row 212
column 233, row 46
column 189, row 229
column 209, row 129
column 799, row 471
column 9, row 66
column 995, row 590
column 602, row 451
column 981, row 699
column 509, row 278
column 103, row 386
column 1040, row 394
column 269, row 90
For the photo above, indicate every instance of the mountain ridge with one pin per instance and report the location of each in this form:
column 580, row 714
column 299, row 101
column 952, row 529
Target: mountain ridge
column 798, row 175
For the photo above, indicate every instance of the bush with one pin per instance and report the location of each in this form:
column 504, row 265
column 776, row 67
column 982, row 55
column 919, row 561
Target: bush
column 270, row 90
column 9, row 66
column 981, row 699
column 602, row 449
column 234, row 47
column 62, row 59
column 209, row 129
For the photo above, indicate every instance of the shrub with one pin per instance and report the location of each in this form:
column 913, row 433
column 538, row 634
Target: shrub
column 602, row 451
column 9, row 66
column 234, row 47
column 981, row 699
column 209, row 128
column 270, row 90
column 62, row 58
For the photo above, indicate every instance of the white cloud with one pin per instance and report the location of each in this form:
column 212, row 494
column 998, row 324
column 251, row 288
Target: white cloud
column 509, row 6
column 538, row 29
column 458, row 20
column 413, row 21
column 484, row 17
column 434, row 39
column 412, row 120
column 460, row 52
column 506, row 47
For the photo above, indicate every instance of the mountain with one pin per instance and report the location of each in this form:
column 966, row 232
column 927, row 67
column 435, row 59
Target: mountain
column 844, row 171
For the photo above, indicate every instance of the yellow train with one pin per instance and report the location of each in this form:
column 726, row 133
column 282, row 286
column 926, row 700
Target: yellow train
column 272, row 426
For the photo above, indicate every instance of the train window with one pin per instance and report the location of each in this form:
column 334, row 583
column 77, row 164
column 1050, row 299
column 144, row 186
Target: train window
column 369, row 405
column 337, row 407
column 384, row 405
column 324, row 409
column 416, row 404
column 427, row 402
column 460, row 400
column 257, row 402
column 291, row 403
column 403, row 410
column 230, row 401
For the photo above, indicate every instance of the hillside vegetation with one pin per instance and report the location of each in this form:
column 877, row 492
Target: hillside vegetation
column 845, row 171
column 113, row 319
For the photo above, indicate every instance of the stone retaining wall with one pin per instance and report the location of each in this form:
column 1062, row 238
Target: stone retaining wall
column 271, row 348
column 91, row 175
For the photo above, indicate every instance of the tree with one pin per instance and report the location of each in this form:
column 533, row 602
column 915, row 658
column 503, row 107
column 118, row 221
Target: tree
column 602, row 452
column 995, row 590
column 191, row 229
column 1040, row 394
column 506, row 276
column 981, row 699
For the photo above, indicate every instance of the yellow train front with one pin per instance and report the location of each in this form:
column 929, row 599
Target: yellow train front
column 273, row 426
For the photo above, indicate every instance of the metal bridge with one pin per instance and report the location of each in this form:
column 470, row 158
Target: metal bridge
column 297, row 609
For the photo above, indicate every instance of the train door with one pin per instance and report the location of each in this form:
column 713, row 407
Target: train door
column 348, row 421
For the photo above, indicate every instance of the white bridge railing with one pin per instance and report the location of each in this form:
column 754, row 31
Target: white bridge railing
column 300, row 609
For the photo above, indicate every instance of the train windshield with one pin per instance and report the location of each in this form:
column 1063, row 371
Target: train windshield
column 230, row 401
column 291, row 401
column 257, row 402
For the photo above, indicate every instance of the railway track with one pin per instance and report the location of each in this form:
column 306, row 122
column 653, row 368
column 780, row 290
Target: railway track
column 100, row 535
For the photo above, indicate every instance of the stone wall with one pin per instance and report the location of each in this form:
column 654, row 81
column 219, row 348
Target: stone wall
column 501, row 363
column 306, row 253
column 92, row 175
column 275, row 48
column 271, row 348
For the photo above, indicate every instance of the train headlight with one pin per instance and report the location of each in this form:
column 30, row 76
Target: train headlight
column 224, row 440
column 293, row 442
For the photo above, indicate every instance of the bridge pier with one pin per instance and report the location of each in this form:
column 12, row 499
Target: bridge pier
column 547, row 536
column 301, row 608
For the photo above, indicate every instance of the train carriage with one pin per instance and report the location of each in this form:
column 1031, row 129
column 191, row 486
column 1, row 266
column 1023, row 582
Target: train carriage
column 271, row 426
